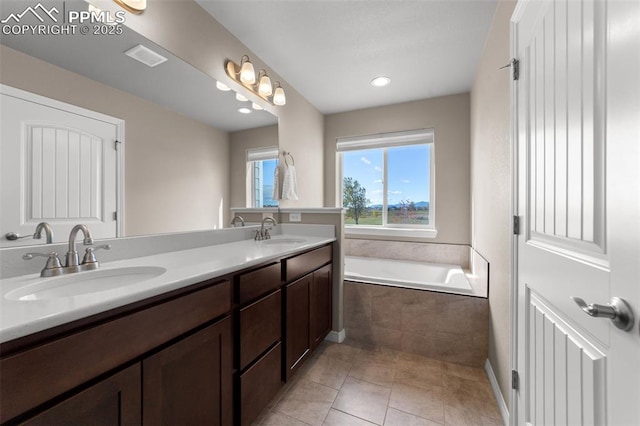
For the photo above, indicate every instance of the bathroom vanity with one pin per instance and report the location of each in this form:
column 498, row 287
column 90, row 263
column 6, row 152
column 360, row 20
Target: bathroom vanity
column 214, row 351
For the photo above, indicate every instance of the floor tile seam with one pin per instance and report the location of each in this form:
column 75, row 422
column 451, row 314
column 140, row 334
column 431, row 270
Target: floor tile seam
column 357, row 417
column 331, row 406
column 411, row 414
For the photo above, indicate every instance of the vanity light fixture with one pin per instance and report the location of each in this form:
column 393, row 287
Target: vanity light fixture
column 381, row 81
column 133, row 6
column 278, row 95
column 244, row 73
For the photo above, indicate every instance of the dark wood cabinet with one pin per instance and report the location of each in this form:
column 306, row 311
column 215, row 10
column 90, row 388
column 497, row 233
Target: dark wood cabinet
column 112, row 401
column 211, row 353
column 298, row 337
column 260, row 327
column 320, row 305
column 259, row 384
column 189, row 382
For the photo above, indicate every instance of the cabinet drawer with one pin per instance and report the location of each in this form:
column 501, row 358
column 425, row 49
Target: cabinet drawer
column 259, row 384
column 259, row 282
column 34, row 376
column 298, row 266
column 260, row 326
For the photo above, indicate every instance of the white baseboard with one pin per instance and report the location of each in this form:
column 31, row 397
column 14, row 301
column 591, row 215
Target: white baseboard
column 336, row 336
column 502, row 405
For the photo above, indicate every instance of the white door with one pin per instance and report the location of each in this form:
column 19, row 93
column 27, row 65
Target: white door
column 577, row 115
column 58, row 166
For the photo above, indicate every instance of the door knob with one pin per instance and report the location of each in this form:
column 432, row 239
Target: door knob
column 618, row 311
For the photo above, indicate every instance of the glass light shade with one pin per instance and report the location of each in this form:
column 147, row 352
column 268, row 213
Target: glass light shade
column 265, row 88
column 256, row 107
column 279, row 97
column 241, row 98
column 222, row 86
column 133, row 6
column 247, row 73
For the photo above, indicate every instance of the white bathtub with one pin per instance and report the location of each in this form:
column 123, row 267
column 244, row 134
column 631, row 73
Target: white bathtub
column 407, row 274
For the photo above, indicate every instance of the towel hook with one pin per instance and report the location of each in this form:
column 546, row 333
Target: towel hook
column 284, row 155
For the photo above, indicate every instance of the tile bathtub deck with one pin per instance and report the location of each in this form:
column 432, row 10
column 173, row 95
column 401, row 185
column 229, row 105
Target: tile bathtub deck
column 350, row 384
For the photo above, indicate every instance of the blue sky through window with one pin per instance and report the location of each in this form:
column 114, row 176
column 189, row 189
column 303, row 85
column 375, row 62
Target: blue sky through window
column 408, row 174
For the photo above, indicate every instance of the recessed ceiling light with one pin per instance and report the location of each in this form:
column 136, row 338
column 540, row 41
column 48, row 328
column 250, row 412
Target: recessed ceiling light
column 241, row 98
column 256, row 107
column 380, row 81
column 145, row 55
column 222, row 86
column 244, row 110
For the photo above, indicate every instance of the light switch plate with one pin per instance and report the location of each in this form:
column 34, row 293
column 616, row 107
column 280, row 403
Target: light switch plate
column 295, row 217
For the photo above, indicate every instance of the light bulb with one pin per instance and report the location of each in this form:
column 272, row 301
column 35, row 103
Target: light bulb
column 247, row 73
column 241, row 98
column 265, row 88
column 278, row 96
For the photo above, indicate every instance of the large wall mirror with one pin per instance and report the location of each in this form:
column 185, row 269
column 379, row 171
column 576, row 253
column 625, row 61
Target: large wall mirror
column 178, row 129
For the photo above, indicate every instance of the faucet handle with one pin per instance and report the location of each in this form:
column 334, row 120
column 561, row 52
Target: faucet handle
column 53, row 261
column 267, row 236
column 90, row 256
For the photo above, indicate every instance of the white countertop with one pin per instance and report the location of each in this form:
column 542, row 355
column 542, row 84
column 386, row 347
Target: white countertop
column 20, row 318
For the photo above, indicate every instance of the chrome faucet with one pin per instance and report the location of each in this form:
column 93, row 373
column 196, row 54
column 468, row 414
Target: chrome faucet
column 72, row 253
column 233, row 221
column 54, row 267
column 263, row 234
column 47, row 230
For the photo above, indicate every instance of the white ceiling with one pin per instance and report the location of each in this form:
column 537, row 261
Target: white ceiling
column 175, row 84
column 329, row 51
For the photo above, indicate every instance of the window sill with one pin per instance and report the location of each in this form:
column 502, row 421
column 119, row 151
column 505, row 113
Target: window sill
column 352, row 231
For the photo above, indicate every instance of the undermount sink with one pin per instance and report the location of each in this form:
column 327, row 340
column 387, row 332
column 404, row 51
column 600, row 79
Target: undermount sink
column 275, row 241
column 81, row 283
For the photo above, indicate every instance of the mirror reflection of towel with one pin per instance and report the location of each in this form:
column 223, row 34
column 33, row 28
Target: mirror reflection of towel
column 290, row 184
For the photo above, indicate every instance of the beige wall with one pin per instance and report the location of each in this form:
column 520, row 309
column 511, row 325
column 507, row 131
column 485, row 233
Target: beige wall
column 491, row 188
column 449, row 116
column 176, row 169
column 239, row 143
column 190, row 33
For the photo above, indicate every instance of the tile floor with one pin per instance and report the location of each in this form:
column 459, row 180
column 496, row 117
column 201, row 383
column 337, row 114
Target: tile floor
column 350, row 384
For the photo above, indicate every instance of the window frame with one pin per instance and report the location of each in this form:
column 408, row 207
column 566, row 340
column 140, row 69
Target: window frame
column 379, row 141
column 253, row 156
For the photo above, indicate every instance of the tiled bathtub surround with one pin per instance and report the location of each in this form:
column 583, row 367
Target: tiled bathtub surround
column 423, row 252
column 445, row 327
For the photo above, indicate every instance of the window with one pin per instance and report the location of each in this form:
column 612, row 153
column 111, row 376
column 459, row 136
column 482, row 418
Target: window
column 387, row 180
column 261, row 166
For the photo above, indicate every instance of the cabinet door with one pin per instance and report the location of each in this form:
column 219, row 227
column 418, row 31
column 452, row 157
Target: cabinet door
column 189, row 383
column 320, row 301
column 113, row 401
column 298, row 338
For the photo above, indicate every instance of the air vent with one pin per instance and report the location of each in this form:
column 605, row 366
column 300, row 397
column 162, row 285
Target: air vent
column 145, row 55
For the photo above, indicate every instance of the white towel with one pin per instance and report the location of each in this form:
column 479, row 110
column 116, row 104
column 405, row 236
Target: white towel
column 276, row 184
column 290, row 184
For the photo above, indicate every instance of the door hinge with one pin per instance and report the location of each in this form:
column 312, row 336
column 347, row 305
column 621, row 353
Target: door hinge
column 115, row 144
column 115, row 215
column 515, row 380
column 516, row 225
column 515, row 66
